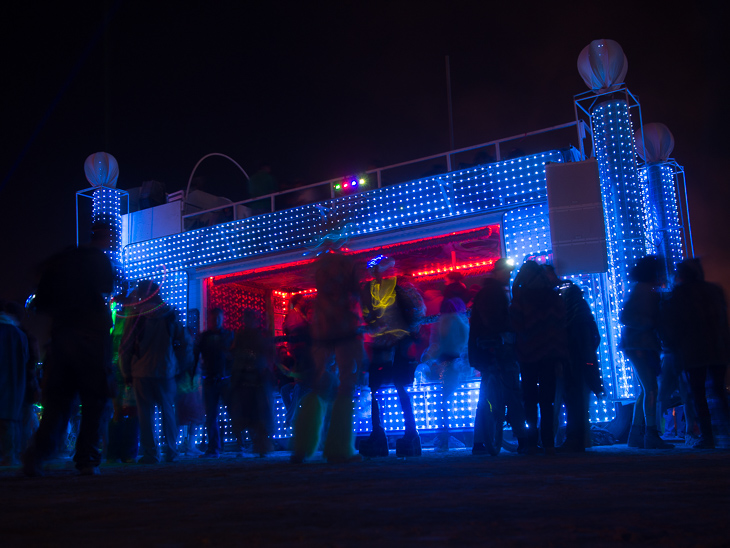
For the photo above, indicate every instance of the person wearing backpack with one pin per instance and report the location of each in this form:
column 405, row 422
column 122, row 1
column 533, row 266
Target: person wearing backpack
column 150, row 365
column 393, row 311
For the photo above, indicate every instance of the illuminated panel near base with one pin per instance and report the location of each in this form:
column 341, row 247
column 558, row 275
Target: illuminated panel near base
column 622, row 202
column 426, row 400
column 663, row 231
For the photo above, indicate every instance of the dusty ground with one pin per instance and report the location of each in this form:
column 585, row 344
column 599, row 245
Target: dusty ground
column 609, row 496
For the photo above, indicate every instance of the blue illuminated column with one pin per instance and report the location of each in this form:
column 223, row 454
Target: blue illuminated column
column 663, row 228
column 107, row 209
column 622, row 200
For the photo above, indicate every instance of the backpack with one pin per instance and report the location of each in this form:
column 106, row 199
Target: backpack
column 411, row 305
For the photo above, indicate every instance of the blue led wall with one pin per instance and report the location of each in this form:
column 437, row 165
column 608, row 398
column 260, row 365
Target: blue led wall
column 481, row 189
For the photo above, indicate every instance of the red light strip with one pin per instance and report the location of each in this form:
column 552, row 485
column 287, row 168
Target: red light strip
column 437, row 271
column 431, row 272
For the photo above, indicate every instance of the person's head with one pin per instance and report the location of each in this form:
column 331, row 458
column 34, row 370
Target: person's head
column 531, row 276
column 647, row 270
column 572, row 293
column 380, row 267
column 690, row 270
column 296, row 301
column 502, row 270
column 454, row 277
column 148, row 291
column 215, row 318
column 551, row 275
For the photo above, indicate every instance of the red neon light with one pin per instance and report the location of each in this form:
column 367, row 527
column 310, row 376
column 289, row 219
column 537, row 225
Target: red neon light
column 437, row 271
column 433, row 271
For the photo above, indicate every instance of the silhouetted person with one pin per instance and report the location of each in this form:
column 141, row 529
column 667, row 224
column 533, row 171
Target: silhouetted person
column 335, row 337
column 538, row 317
column 214, row 346
column 250, row 403
column 149, row 364
column 123, row 437
column 72, row 292
column 581, row 372
column 640, row 344
column 392, row 318
column 451, row 344
column 299, row 350
column 491, row 350
column 14, row 356
column 189, row 403
column 698, row 323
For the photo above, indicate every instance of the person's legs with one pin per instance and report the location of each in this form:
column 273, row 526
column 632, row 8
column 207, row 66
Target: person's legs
column 57, row 396
column 166, row 396
column 717, row 386
column 638, row 425
column 144, row 392
column 449, row 381
column 692, row 424
column 91, row 360
column 376, row 445
column 310, row 416
column 512, row 396
column 482, row 406
column 339, row 445
column 576, row 412
column 211, row 399
column 697, row 378
column 530, row 379
column 546, row 396
column 646, row 364
column 9, row 435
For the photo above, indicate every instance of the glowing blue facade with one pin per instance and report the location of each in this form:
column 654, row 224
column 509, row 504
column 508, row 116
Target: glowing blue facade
column 511, row 193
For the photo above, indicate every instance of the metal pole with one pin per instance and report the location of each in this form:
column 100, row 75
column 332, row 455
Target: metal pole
column 448, row 100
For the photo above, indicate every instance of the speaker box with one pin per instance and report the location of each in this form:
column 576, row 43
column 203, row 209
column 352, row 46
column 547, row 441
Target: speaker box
column 577, row 226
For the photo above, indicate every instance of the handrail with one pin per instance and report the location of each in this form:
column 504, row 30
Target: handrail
column 271, row 197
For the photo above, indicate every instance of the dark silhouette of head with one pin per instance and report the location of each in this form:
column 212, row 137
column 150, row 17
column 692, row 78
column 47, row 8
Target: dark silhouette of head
column 647, row 270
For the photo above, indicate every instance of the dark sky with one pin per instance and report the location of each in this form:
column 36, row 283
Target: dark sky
column 319, row 92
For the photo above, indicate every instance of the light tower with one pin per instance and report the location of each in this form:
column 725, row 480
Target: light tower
column 102, row 171
column 663, row 228
column 608, row 105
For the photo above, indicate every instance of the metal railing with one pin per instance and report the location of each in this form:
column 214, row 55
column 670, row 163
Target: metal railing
column 324, row 190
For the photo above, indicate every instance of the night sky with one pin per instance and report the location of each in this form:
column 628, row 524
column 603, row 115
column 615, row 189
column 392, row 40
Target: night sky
column 321, row 92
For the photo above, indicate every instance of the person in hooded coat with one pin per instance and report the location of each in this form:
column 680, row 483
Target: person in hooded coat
column 149, row 364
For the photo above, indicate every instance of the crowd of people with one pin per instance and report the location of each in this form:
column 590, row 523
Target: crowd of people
column 538, row 340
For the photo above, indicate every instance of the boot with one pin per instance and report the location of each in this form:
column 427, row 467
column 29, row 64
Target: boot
column 307, row 428
column 376, row 445
column 636, row 436
column 409, row 445
column 339, row 446
column 653, row 441
column 443, row 440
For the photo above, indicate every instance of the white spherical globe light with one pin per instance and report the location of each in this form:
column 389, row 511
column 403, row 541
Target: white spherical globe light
column 656, row 145
column 602, row 65
column 101, row 169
